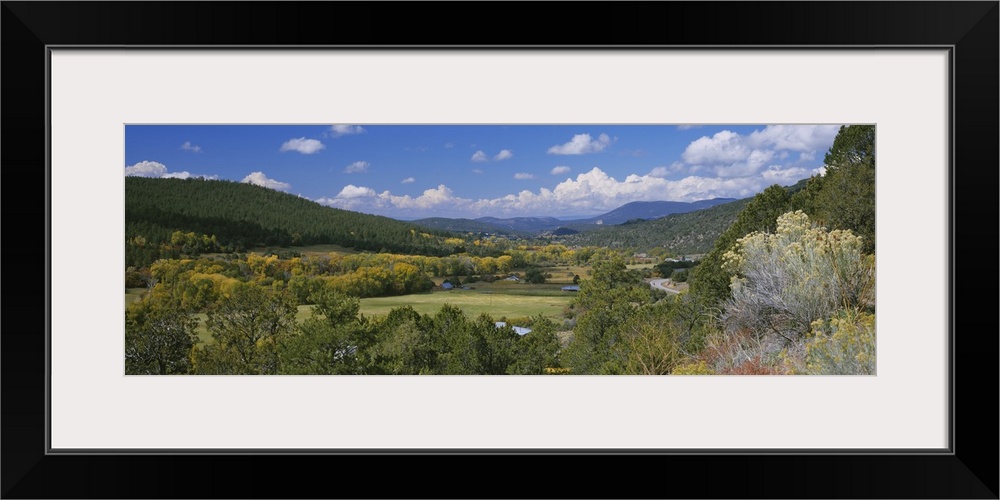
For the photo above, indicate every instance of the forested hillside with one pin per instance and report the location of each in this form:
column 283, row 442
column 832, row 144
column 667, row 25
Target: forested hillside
column 232, row 216
column 467, row 226
column 654, row 210
column 686, row 233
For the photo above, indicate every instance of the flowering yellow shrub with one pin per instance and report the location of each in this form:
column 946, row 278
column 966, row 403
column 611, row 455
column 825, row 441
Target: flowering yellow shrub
column 783, row 281
column 557, row 371
column 842, row 345
column 699, row 368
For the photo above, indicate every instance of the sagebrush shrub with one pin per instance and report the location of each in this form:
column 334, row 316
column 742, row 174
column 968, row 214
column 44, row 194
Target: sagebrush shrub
column 783, row 281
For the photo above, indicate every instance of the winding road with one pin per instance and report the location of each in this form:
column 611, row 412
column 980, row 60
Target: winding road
column 658, row 284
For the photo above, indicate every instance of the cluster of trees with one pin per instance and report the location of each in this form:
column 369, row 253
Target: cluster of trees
column 675, row 269
column 801, row 301
column 787, row 288
column 195, row 284
column 625, row 327
column 254, row 332
column 541, row 255
column 535, row 276
column 198, row 281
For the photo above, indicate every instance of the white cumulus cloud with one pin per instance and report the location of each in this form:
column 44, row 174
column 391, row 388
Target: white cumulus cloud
column 729, row 154
column 523, row 176
column 157, row 169
column 723, row 147
column 430, row 198
column 357, row 167
column 187, row 146
column 777, row 174
column 590, row 192
column 146, row 169
column 802, row 138
column 504, row 154
column 560, row 170
column 365, row 199
column 339, row 130
column 259, row 179
column 663, row 171
column 479, row 156
column 302, row 145
column 408, row 180
column 582, row 144
column 351, row 191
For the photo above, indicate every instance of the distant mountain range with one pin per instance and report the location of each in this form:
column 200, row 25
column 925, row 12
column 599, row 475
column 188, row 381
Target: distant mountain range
column 692, row 232
column 524, row 224
column 648, row 210
column 683, row 233
column 530, row 226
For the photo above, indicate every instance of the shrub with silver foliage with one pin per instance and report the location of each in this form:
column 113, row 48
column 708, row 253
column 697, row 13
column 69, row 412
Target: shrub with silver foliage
column 801, row 273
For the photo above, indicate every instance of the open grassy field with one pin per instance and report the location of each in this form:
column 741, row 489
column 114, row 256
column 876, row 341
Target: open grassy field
column 133, row 294
column 203, row 336
column 640, row 266
column 564, row 274
column 473, row 303
column 517, row 288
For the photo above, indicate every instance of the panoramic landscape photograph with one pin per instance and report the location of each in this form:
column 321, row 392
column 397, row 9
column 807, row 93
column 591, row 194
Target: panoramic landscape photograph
column 594, row 249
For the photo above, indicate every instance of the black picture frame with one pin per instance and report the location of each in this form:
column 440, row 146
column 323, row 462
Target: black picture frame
column 968, row 470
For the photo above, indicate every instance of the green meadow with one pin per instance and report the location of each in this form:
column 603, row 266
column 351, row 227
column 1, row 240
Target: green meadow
column 475, row 302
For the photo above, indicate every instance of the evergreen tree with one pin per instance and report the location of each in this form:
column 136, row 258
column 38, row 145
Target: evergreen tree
column 709, row 280
column 250, row 327
column 847, row 197
column 607, row 301
column 158, row 338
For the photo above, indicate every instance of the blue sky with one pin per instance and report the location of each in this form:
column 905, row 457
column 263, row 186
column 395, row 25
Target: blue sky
column 413, row 171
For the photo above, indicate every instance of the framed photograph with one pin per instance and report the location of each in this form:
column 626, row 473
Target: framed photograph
column 260, row 106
